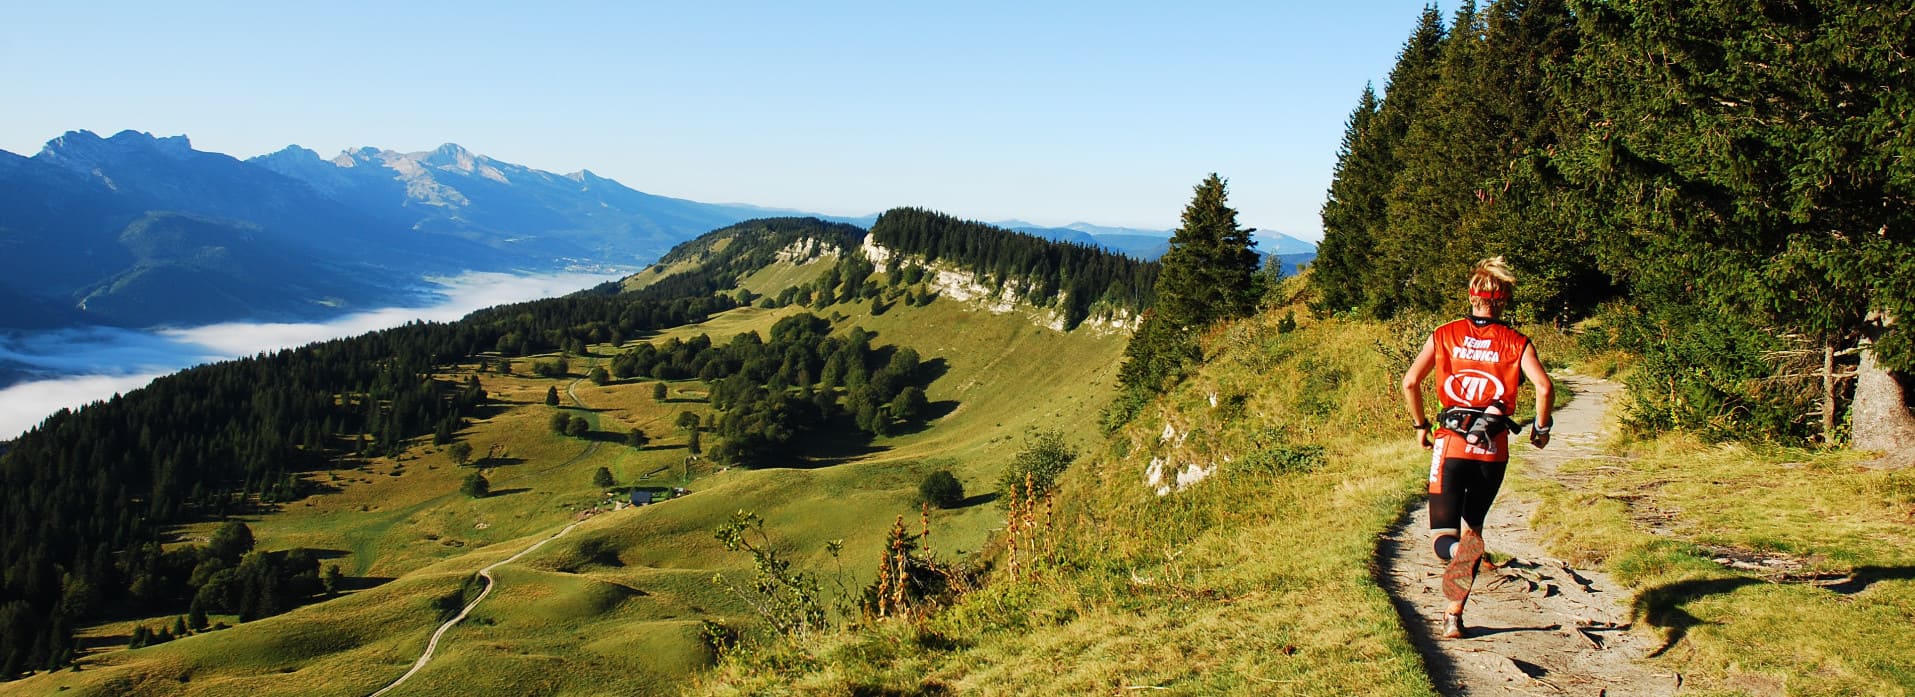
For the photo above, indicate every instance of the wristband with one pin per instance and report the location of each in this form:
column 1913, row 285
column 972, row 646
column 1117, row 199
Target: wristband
column 1542, row 430
column 1419, row 427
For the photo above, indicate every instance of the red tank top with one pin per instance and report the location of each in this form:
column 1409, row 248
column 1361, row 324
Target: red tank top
column 1477, row 366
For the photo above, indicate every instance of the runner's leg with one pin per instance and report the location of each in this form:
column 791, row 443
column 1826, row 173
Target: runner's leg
column 1445, row 502
column 1459, row 576
column 1479, row 491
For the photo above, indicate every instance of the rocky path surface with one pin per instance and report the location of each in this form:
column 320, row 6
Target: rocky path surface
column 1537, row 626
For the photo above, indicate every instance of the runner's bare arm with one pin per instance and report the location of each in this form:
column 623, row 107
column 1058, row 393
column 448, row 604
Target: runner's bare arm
column 1413, row 388
column 1545, row 391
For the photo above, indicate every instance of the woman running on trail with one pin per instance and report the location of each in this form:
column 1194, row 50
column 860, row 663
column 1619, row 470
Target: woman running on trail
column 1480, row 363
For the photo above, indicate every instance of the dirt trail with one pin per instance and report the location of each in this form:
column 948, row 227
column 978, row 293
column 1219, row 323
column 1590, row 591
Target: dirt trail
column 432, row 645
column 591, row 446
column 1536, row 626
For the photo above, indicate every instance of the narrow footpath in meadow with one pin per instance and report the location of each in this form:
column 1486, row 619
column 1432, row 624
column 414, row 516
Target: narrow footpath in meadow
column 1537, row 626
column 591, row 445
column 432, row 645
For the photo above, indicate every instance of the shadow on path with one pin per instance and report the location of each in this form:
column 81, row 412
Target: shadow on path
column 1441, row 669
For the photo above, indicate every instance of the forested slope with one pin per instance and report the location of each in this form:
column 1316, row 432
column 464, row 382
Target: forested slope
column 1077, row 279
column 1726, row 188
column 90, row 493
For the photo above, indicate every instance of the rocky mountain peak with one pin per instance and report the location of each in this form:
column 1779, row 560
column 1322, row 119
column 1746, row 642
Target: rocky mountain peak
column 450, row 155
column 84, row 150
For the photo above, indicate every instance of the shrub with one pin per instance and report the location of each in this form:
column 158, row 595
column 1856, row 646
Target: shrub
column 460, row 452
column 1281, row 459
column 1044, row 456
column 941, row 489
column 555, row 368
column 911, row 404
column 475, row 486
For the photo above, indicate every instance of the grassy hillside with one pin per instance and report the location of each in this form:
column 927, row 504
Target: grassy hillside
column 1255, row 579
column 616, row 605
column 1763, row 570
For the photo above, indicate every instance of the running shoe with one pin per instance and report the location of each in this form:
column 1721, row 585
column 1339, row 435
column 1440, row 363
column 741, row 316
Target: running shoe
column 1460, row 575
column 1452, row 625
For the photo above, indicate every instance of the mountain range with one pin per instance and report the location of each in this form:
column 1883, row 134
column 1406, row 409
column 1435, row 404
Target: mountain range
column 135, row 230
column 1288, row 252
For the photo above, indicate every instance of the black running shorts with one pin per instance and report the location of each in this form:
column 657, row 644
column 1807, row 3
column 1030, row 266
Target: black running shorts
column 1465, row 491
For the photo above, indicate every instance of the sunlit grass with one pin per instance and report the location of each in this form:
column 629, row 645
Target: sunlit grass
column 1251, row 581
column 1661, row 518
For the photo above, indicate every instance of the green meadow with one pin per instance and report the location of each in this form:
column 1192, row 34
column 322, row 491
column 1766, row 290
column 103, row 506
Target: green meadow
column 616, row 605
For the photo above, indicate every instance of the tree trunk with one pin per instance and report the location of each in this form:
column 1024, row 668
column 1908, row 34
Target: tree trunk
column 1828, row 393
column 1879, row 414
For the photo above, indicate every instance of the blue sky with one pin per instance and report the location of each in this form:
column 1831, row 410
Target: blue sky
column 1103, row 112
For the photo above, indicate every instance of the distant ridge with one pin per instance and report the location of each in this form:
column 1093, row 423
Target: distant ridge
column 137, row 230
column 547, row 218
column 1148, row 245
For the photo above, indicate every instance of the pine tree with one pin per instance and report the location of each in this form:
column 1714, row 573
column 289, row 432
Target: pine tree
column 1208, row 274
column 1448, row 148
column 1528, row 212
column 1354, row 208
column 332, row 580
column 1377, row 249
column 196, row 616
column 1749, row 171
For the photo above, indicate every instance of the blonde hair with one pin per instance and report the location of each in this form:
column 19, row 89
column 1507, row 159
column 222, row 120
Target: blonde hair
column 1492, row 278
